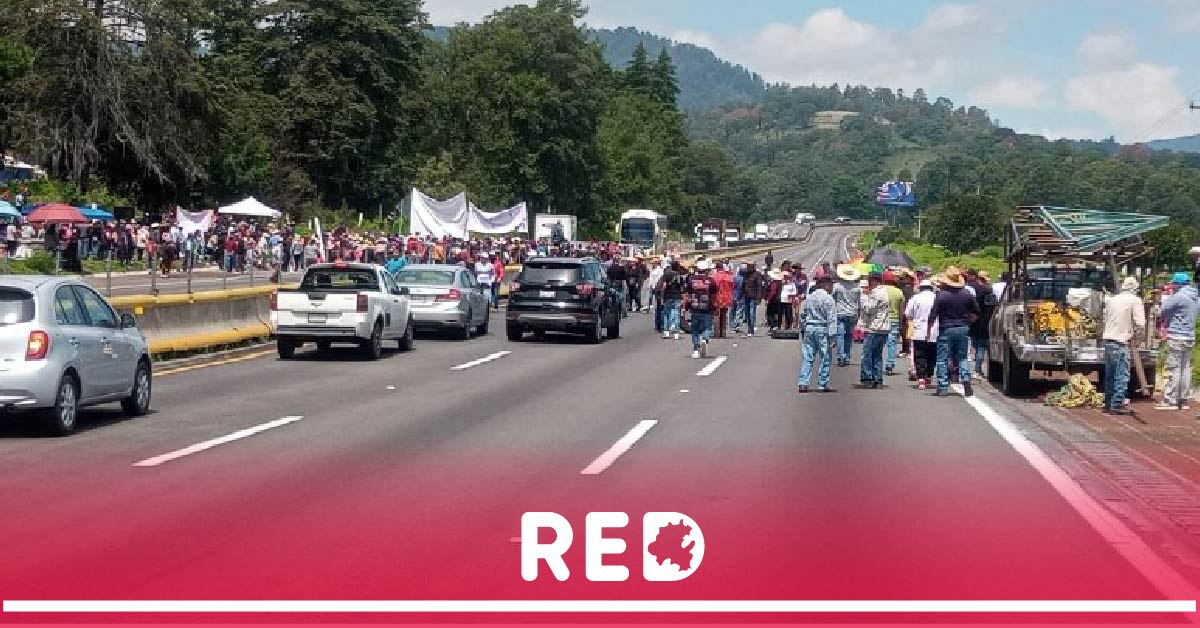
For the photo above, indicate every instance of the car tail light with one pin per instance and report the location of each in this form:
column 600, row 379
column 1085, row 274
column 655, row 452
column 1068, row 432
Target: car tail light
column 38, row 346
column 452, row 295
column 362, row 302
column 274, row 301
column 585, row 289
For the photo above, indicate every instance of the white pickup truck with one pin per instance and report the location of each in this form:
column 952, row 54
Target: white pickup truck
column 346, row 303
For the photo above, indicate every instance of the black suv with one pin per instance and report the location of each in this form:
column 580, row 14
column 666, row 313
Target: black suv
column 563, row 294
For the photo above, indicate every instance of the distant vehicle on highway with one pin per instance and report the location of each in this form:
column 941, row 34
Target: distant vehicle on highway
column 442, row 296
column 343, row 302
column 563, row 294
column 642, row 227
column 843, row 219
column 805, row 218
column 63, row 347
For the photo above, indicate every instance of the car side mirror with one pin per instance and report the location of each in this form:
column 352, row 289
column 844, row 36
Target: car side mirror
column 128, row 321
column 403, row 291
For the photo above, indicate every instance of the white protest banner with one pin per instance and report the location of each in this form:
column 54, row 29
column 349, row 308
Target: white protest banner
column 511, row 220
column 438, row 218
column 191, row 222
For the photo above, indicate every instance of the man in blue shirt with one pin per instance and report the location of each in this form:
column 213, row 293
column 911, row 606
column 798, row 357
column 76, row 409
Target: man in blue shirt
column 396, row 262
column 954, row 309
column 819, row 322
column 1179, row 313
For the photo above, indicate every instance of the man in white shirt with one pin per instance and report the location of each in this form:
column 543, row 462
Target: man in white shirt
column 924, row 335
column 1124, row 320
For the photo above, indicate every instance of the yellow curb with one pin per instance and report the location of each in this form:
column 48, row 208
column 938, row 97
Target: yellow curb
column 206, row 340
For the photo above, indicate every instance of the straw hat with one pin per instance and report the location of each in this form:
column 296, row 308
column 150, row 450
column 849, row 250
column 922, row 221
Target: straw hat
column 953, row 277
column 847, row 272
column 983, row 274
column 703, row 265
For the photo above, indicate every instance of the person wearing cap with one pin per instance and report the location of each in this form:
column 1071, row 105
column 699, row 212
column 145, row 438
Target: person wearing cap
column 924, row 335
column 700, row 298
column 891, row 284
column 1124, row 320
column 1179, row 312
column 954, row 309
column 875, row 316
column 818, row 321
column 1194, row 252
column 751, row 293
column 773, row 289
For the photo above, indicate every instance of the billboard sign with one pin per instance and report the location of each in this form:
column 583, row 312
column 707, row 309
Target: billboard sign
column 896, row 194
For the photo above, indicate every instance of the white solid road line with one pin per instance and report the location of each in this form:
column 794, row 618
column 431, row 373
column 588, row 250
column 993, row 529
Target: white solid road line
column 599, row 606
column 484, row 360
column 620, row 447
column 1125, row 541
column 209, row 444
column 712, row 366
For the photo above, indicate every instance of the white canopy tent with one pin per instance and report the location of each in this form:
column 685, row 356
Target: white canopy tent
column 249, row 207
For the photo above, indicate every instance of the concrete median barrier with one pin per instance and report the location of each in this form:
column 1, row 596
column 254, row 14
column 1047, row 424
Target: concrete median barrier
column 203, row 320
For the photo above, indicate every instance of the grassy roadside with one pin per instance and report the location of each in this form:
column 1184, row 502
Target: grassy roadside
column 939, row 258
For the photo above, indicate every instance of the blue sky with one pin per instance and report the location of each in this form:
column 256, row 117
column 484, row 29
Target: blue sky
column 1073, row 68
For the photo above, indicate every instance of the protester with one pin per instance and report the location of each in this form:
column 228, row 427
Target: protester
column 891, row 284
column 953, row 311
column 875, row 318
column 819, row 322
column 924, row 339
column 752, row 291
column 724, row 279
column 701, row 298
column 986, row 298
column 673, row 281
column 1179, row 314
column 847, row 296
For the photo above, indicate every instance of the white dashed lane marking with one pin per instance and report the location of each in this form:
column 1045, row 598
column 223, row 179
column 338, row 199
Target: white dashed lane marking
column 623, row 445
column 712, row 366
column 221, row 440
column 484, row 360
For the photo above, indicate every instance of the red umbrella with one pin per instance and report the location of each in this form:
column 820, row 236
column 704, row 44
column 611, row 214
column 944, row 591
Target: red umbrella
column 56, row 212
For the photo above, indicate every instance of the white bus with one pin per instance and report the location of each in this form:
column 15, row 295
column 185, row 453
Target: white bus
column 643, row 228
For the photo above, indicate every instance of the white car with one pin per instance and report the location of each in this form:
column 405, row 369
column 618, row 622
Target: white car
column 346, row 303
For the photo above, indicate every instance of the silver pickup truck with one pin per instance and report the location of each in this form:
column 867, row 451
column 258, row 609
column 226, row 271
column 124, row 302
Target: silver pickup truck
column 346, row 303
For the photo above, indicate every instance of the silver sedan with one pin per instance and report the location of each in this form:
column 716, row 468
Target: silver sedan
column 62, row 347
column 442, row 296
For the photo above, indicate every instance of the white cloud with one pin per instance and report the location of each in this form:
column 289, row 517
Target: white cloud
column 1106, row 50
column 1183, row 16
column 450, row 12
column 1072, row 133
column 1141, row 102
column 951, row 17
column 1013, row 92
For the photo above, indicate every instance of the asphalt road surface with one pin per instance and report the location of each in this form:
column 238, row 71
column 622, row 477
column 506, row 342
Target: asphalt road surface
column 332, row 478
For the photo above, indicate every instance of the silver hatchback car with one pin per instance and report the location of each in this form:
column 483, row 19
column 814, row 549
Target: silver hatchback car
column 62, row 347
column 445, row 296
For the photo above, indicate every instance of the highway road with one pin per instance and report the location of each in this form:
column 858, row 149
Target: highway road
column 331, row 478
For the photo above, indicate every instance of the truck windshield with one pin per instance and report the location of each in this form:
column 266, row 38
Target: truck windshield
column 1045, row 283
column 348, row 279
column 637, row 231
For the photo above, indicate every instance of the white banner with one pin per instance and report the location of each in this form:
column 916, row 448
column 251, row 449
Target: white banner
column 513, row 219
column 438, row 218
column 190, row 222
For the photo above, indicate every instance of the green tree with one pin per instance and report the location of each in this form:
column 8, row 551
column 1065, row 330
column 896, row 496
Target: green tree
column 664, row 88
column 639, row 74
column 965, row 222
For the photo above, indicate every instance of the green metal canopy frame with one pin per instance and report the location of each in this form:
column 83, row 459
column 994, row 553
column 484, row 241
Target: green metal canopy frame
column 1080, row 233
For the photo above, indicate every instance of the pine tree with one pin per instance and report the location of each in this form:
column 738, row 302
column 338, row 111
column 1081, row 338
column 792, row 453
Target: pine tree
column 664, row 86
column 638, row 76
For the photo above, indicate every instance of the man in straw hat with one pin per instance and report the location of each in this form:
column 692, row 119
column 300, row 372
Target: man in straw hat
column 846, row 296
column 875, row 316
column 1124, row 320
column 924, row 336
column 953, row 311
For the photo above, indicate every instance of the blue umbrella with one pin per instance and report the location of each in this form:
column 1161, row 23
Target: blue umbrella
column 98, row 213
column 8, row 211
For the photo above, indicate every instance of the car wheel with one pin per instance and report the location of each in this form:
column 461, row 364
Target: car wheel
column 595, row 334
column 62, row 418
column 1015, row 376
column 138, row 401
column 372, row 347
column 483, row 327
column 324, row 345
column 286, row 348
column 514, row 332
column 468, row 328
column 407, row 341
column 614, row 331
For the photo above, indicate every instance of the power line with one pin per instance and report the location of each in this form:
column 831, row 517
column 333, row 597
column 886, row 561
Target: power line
column 1184, row 106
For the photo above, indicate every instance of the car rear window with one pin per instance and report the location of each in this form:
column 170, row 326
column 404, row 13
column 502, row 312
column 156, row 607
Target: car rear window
column 420, row 277
column 552, row 272
column 340, row 279
column 16, row 306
